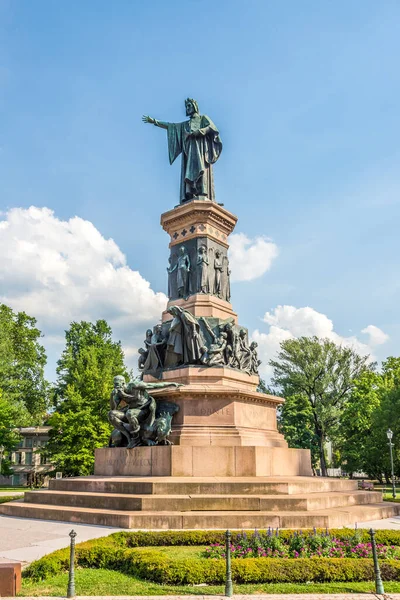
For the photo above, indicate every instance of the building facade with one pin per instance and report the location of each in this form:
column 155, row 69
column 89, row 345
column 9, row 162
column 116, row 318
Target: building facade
column 29, row 465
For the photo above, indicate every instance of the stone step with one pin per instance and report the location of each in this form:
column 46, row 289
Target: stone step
column 132, row 502
column 335, row 517
column 203, row 485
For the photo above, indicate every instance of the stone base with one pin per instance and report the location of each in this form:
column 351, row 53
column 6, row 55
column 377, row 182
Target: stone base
column 203, row 305
column 203, row 502
column 187, row 461
column 220, row 406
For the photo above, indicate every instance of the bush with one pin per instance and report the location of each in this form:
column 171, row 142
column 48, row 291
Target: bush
column 122, row 552
column 135, row 539
column 4, row 499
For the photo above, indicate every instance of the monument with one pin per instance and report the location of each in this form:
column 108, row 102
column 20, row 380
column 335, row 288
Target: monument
column 198, row 363
column 195, row 444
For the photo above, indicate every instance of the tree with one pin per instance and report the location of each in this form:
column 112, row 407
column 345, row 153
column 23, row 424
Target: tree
column 323, row 373
column 85, row 372
column 373, row 407
column 356, row 425
column 9, row 437
column 295, row 421
column 22, row 362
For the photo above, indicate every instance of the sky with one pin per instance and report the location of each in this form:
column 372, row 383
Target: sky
column 305, row 96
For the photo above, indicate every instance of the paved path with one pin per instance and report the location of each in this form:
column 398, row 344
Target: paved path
column 25, row 540
column 235, row 597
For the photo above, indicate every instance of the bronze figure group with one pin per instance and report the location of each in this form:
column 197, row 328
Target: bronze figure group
column 188, row 340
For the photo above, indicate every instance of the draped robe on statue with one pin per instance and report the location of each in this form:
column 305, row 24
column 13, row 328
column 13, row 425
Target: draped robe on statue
column 198, row 155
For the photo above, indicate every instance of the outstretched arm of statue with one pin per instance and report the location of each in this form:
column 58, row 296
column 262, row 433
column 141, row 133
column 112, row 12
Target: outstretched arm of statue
column 155, row 386
column 147, row 119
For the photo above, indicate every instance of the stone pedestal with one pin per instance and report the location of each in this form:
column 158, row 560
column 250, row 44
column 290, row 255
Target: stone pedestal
column 200, row 461
column 220, row 406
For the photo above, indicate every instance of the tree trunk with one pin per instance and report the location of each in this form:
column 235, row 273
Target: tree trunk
column 324, row 471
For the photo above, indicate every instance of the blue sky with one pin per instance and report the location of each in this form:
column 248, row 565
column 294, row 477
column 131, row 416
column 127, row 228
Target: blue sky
column 305, row 95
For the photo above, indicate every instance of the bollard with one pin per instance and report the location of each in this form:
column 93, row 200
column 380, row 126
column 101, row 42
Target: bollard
column 71, row 578
column 378, row 580
column 228, row 582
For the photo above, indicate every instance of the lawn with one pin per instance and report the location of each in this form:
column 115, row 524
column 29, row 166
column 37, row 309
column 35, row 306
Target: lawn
column 175, row 563
column 4, row 499
column 104, row 582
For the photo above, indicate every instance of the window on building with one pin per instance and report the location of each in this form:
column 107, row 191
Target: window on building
column 43, row 459
column 18, row 458
column 28, row 442
column 28, row 458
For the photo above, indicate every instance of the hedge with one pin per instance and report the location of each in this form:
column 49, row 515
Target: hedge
column 134, row 539
column 122, row 552
column 4, row 499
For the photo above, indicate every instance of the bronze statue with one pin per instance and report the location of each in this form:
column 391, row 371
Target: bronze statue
column 184, row 340
column 226, row 281
column 154, row 350
column 170, row 270
column 200, row 145
column 218, row 272
column 137, row 415
column 202, row 271
column 183, row 270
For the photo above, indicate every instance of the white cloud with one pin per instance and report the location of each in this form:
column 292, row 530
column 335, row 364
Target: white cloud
column 376, row 335
column 250, row 258
column 59, row 271
column 287, row 322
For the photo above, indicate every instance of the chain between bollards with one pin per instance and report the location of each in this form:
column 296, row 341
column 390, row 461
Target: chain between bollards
column 71, row 578
column 378, row 580
column 228, row 581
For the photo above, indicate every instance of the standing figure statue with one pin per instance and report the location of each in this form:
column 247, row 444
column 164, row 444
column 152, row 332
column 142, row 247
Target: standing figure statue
column 218, row 272
column 202, row 271
column 200, row 145
column 226, row 287
column 154, row 359
column 245, row 352
column 183, row 270
column 170, row 270
column 185, row 342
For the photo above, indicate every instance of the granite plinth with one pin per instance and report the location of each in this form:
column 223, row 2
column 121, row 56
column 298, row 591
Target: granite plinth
column 219, row 406
column 203, row 502
column 203, row 305
column 198, row 217
column 200, row 461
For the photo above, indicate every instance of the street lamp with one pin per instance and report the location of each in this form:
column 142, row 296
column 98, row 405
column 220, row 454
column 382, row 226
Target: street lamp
column 389, row 434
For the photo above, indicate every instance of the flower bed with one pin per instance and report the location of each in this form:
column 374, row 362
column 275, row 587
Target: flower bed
column 298, row 545
column 144, row 555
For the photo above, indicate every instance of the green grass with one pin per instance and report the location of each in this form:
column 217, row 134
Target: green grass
column 103, row 582
column 178, row 552
column 13, row 489
column 389, row 498
column 4, row 499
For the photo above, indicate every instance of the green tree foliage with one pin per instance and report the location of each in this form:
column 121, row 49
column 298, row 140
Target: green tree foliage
column 373, row 408
column 22, row 362
column 295, row 421
column 9, row 415
column 323, row 373
column 85, row 372
column 356, row 430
